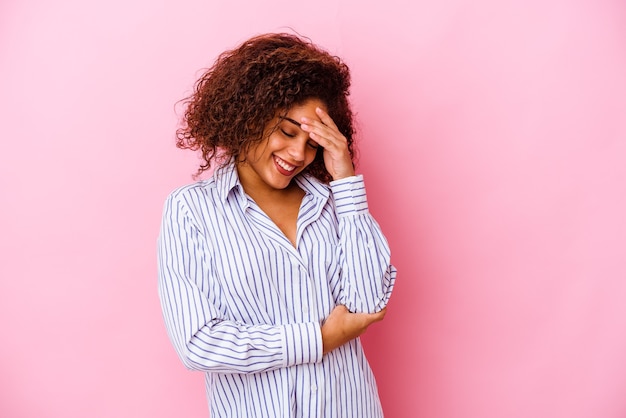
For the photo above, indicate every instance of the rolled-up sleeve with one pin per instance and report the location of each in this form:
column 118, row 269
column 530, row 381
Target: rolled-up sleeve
column 368, row 276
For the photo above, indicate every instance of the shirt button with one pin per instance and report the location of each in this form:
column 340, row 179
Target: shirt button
column 313, row 388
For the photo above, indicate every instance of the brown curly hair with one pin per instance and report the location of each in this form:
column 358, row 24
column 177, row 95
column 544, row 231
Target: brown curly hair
column 247, row 87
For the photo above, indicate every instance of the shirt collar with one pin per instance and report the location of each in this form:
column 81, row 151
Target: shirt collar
column 227, row 180
column 313, row 186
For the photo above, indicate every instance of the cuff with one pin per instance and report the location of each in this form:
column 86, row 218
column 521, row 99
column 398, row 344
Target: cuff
column 349, row 194
column 303, row 343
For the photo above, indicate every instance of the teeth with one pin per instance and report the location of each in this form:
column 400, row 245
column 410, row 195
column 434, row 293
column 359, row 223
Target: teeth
column 284, row 165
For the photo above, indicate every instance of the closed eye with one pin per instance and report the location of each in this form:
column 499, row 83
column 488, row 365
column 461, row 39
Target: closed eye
column 313, row 145
column 287, row 134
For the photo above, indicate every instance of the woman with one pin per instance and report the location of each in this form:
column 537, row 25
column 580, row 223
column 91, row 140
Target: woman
column 271, row 269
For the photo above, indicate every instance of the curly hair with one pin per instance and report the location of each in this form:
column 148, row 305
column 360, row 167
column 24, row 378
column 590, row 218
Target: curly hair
column 246, row 88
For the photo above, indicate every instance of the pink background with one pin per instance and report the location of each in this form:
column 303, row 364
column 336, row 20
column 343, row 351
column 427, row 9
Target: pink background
column 493, row 141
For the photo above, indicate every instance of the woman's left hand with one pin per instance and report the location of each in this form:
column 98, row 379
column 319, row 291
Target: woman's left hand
column 336, row 154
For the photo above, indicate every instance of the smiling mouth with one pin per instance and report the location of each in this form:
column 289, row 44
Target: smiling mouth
column 288, row 168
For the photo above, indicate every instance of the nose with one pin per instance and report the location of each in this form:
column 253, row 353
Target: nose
column 297, row 148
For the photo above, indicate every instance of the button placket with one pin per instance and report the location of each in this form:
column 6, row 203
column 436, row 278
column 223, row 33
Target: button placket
column 305, row 289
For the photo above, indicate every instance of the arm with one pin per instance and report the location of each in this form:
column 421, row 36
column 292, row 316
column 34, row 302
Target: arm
column 198, row 326
column 367, row 274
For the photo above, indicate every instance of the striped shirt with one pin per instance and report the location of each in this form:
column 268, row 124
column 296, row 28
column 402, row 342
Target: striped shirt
column 245, row 306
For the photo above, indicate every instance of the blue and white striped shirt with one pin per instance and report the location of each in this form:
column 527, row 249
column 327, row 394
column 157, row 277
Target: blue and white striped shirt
column 245, row 306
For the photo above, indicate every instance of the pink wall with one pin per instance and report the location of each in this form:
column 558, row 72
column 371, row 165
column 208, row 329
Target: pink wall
column 494, row 147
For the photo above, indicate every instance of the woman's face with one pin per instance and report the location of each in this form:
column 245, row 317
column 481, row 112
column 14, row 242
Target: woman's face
column 272, row 163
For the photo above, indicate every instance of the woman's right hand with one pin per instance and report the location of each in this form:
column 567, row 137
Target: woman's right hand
column 342, row 326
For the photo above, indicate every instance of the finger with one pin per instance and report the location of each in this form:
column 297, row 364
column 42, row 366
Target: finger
column 322, row 134
column 312, row 125
column 382, row 313
column 377, row 316
column 325, row 118
column 325, row 126
column 322, row 141
column 370, row 318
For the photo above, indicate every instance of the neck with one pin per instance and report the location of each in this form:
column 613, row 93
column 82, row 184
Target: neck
column 258, row 190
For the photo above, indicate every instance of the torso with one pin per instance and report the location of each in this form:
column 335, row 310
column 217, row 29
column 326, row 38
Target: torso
column 256, row 280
